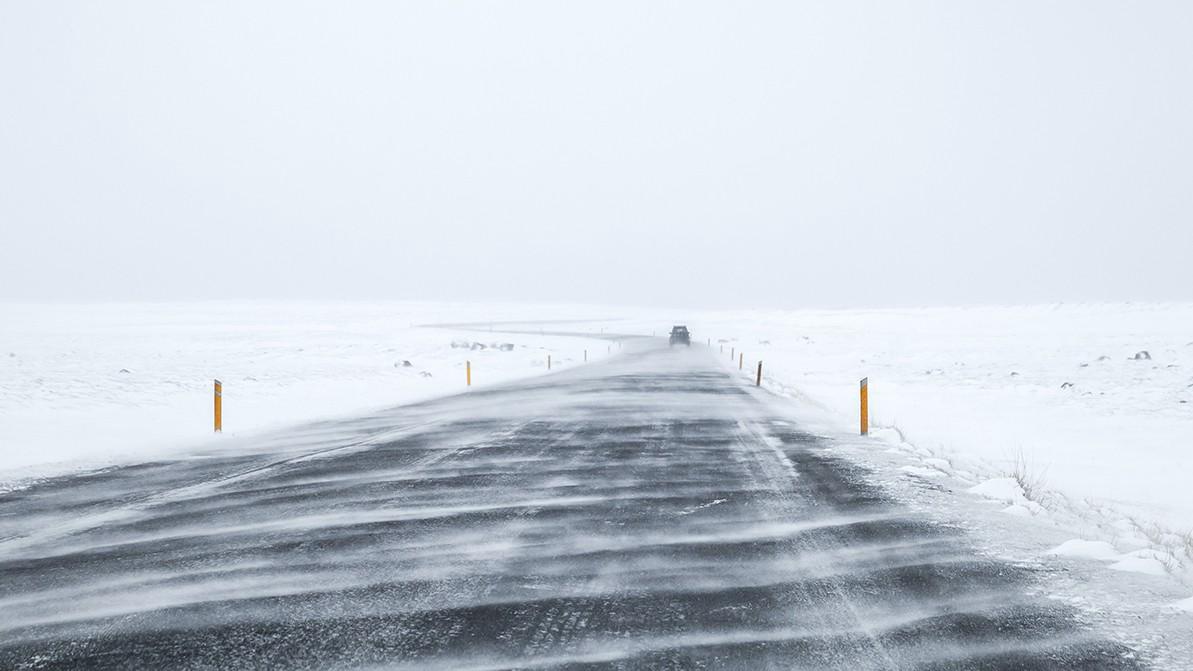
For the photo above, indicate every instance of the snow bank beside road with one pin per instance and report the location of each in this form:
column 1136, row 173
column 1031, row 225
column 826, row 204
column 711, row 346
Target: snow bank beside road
column 90, row 385
column 1092, row 404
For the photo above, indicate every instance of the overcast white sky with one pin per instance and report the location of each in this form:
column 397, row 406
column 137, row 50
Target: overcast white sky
column 683, row 153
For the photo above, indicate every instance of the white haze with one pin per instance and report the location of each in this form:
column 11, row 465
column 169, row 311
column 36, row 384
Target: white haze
column 681, row 153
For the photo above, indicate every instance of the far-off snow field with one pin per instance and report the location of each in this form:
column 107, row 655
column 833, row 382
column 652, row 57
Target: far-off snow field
column 1080, row 414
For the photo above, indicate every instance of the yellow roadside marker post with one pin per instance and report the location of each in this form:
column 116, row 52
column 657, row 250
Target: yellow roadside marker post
column 219, row 406
column 865, row 394
column 468, row 373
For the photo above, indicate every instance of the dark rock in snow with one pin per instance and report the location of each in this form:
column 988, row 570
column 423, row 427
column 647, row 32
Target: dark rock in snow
column 1066, row 385
column 424, row 373
column 1142, row 355
column 406, row 364
column 506, row 347
column 1103, row 358
column 1085, row 365
column 478, row 345
column 1014, row 374
column 125, row 370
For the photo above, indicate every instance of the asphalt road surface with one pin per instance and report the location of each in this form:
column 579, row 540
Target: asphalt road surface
column 647, row 511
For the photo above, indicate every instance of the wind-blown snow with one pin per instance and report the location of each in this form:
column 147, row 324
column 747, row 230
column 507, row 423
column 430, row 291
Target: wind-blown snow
column 1074, row 413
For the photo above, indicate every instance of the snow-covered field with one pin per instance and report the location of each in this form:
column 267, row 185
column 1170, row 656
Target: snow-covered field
column 1047, row 412
column 1077, row 414
column 82, row 386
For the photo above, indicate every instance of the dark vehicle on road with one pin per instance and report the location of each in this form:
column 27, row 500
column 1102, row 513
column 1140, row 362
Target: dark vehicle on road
column 679, row 334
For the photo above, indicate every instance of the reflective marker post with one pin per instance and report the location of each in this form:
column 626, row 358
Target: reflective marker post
column 219, row 406
column 865, row 396
column 468, row 373
column 758, row 382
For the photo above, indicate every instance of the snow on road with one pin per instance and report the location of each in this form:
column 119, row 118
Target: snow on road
column 1076, row 417
column 648, row 511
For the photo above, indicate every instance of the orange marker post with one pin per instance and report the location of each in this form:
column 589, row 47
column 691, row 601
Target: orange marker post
column 468, row 373
column 865, row 398
column 219, row 406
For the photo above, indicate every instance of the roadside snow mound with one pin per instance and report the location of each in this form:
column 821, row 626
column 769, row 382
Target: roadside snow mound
column 1009, row 491
column 1141, row 561
column 1085, row 549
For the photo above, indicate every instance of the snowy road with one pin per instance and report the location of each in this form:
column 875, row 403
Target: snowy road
column 648, row 511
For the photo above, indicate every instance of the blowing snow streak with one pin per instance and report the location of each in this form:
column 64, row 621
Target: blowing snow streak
column 647, row 511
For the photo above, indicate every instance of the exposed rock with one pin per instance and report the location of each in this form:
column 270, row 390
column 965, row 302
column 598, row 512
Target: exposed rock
column 506, row 346
column 1142, row 355
column 461, row 344
column 424, row 373
column 125, row 370
column 1066, row 385
column 406, row 364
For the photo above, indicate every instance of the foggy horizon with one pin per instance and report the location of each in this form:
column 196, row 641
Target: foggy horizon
column 663, row 154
